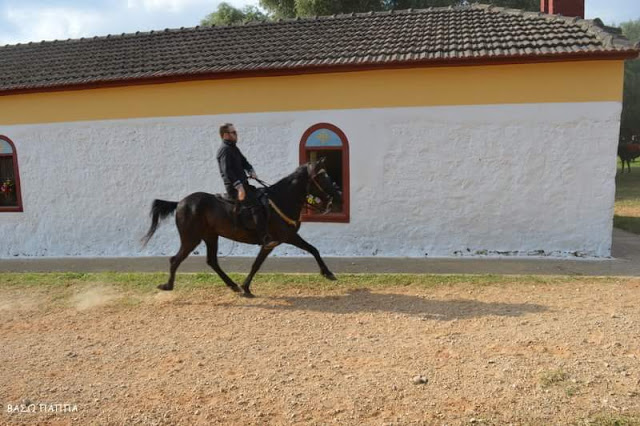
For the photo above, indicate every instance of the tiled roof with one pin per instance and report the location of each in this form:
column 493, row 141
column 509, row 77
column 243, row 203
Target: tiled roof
column 400, row 38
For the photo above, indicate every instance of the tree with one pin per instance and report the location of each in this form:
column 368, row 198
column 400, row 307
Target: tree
column 630, row 120
column 531, row 5
column 252, row 13
column 631, row 30
column 293, row 8
column 227, row 15
column 328, row 7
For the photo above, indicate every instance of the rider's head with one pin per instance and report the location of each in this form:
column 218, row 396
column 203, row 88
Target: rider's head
column 228, row 132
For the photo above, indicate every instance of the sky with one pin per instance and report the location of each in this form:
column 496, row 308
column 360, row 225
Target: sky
column 22, row 21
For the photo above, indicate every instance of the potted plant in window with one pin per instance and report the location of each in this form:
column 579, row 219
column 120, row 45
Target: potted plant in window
column 7, row 187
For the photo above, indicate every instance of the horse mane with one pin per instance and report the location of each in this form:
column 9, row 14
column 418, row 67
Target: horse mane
column 286, row 181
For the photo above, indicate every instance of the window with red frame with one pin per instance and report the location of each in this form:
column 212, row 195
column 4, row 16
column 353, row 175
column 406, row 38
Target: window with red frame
column 10, row 198
column 328, row 141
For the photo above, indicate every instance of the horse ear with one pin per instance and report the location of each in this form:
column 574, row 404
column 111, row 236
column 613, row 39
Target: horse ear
column 321, row 161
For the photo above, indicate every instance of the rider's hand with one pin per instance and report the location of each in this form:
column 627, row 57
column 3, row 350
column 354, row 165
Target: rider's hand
column 241, row 193
column 253, row 175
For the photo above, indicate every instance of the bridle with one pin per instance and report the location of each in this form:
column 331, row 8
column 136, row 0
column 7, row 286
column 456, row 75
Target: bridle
column 309, row 199
column 328, row 196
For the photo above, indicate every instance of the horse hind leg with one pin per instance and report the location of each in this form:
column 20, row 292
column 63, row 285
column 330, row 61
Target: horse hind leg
column 187, row 244
column 212, row 260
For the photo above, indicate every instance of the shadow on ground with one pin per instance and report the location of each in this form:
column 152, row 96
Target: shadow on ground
column 362, row 300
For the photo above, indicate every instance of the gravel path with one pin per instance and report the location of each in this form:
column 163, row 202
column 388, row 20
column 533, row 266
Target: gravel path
column 451, row 354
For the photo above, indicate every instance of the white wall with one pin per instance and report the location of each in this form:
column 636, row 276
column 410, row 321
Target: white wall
column 440, row 181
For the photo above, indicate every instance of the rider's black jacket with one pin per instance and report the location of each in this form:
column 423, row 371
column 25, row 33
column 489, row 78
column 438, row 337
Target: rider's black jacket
column 232, row 166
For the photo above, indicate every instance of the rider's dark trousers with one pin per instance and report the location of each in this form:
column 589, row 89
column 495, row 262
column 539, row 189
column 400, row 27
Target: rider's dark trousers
column 258, row 211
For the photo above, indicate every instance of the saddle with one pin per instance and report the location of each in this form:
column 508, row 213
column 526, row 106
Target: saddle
column 241, row 213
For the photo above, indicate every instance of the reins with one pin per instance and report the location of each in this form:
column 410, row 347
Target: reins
column 306, row 203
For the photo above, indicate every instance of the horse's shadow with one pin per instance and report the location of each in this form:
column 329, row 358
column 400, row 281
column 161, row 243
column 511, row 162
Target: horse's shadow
column 363, row 300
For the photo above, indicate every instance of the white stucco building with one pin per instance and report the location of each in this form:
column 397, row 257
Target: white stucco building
column 498, row 139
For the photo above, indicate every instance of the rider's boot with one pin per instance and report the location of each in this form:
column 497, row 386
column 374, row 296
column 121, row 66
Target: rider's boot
column 261, row 227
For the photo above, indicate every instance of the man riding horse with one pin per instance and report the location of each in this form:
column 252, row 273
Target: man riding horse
column 233, row 166
column 201, row 216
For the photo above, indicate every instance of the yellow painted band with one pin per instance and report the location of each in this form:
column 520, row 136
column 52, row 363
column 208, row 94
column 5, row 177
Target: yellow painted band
column 585, row 81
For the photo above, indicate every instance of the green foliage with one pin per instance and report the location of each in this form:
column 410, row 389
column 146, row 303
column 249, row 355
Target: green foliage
column 327, row 7
column 252, row 13
column 627, row 207
column 531, row 5
column 150, row 280
column 228, row 15
column 627, row 223
column 279, row 8
column 293, row 8
column 630, row 121
column 146, row 282
column 631, row 30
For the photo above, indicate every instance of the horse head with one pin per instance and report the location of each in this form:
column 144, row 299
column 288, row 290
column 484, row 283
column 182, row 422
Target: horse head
column 320, row 184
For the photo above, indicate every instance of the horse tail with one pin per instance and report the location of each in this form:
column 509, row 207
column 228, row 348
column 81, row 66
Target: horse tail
column 160, row 209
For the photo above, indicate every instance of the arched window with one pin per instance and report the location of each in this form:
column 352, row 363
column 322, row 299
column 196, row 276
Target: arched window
column 326, row 140
column 10, row 198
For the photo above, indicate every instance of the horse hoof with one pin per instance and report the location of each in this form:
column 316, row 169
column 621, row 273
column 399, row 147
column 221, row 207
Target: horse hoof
column 248, row 295
column 330, row 276
column 235, row 288
column 165, row 287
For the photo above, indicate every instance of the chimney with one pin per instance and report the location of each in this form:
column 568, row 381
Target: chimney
column 563, row 7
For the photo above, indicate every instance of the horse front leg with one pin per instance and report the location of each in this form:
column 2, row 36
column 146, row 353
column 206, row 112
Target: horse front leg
column 297, row 241
column 264, row 252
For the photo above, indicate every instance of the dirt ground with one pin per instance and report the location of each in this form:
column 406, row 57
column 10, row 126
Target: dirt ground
column 509, row 353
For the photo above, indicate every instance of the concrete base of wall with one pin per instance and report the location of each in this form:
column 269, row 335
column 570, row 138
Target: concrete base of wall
column 626, row 262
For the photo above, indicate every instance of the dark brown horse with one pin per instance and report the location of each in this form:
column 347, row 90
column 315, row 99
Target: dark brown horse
column 202, row 216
